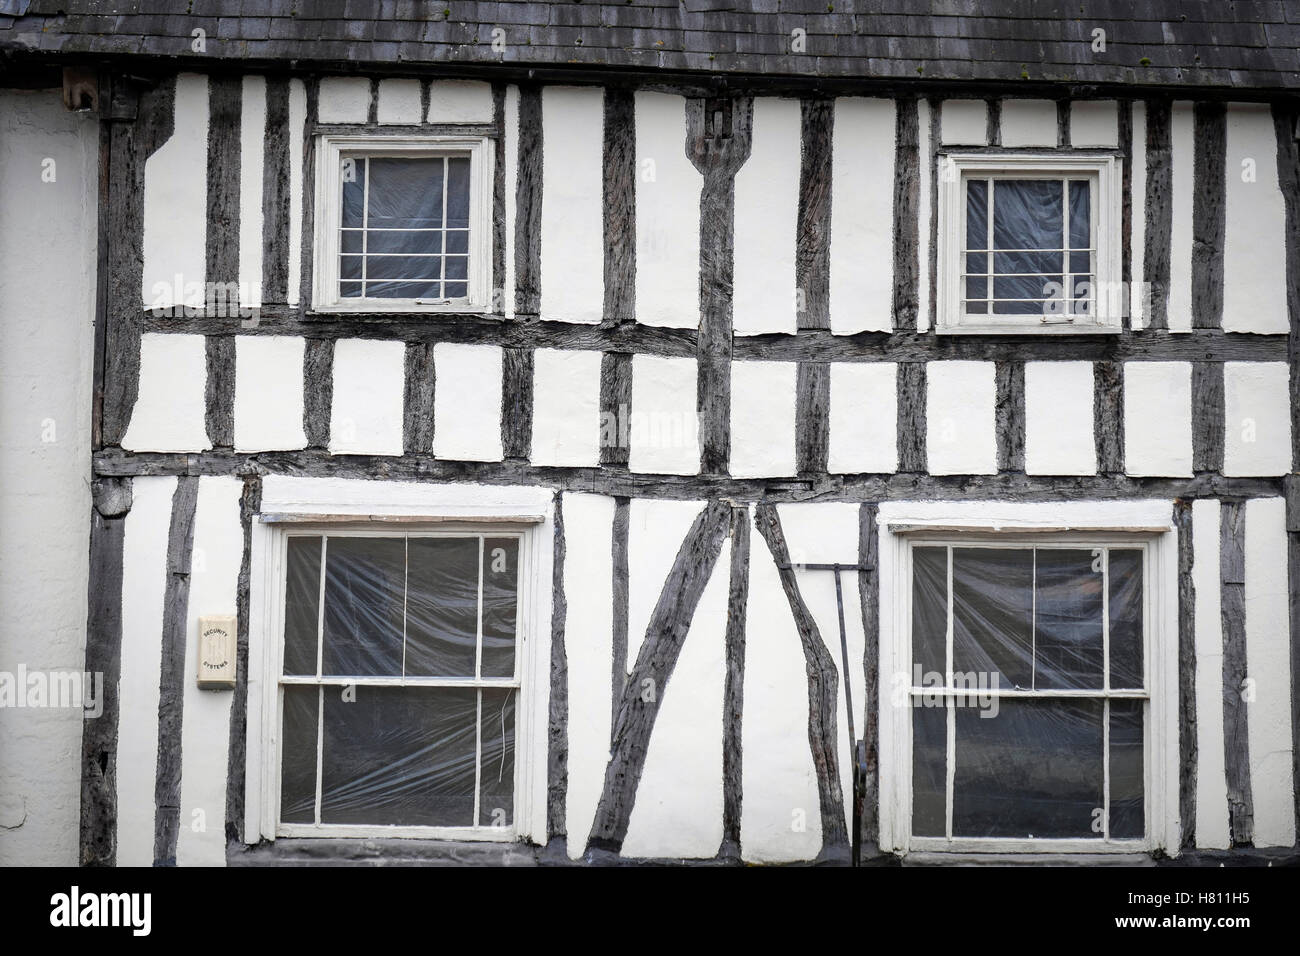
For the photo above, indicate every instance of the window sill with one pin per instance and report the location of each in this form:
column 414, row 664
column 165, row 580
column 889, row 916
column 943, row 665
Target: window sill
column 937, row 858
column 342, row 851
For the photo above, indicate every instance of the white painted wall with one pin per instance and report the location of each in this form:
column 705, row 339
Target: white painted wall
column 512, row 182
column 466, row 402
column 1059, row 419
column 399, row 102
column 656, row 530
column 1095, row 123
column 268, row 392
column 1257, row 418
column 366, row 416
column 47, row 296
column 766, row 213
column 567, row 427
column 862, row 219
column 964, row 123
column 297, row 139
column 925, row 212
column 1211, row 779
column 664, row 427
column 170, row 405
column 252, row 140
column 1158, row 418
column 1254, row 237
column 588, row 646
column 344, row 99
column 460, row 101
column 762, row 419
column 960, row 434
column 667, row 215
column 1268, row 667
column 205, row 729
column 1028, row 122
column 1182, row 125
column 176, row 204
column 144, row 581
column 1139, row 295
column 573, row 240
column 863, row 417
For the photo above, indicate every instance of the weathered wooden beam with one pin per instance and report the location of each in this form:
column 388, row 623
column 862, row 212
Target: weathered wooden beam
column 528, row 205
column 1207, row 416
column 619, row 206
column 907, row 205
column 305, row 276
column 517, row 403
column 317, row 391
column 1209, row 189
column 619, row 589
column 171, row 684
column 911, row 418
column 417, row 399
column 1108, row 416
column 111, row 499
column 869, row 601
column 1063, row 124
column 734, row 687
column 1187, row 746
column 225, row 108
column 823, row 686
column 275, row 193
column 1236, row 737
column 649, row 679
column 812, row 422
column 250, row 503
column 1009, row 415
column 813, row 227
column 1159, row 211
column 615, row 408
column 557, row 729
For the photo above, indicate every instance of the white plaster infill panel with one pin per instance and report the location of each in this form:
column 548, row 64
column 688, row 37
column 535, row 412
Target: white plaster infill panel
column 1059, row 419
column 567, row 426
column 252, row 139
column 1095, row 123
column 1256, row 418
column 964, row 123
column 170, row 408
column 1028, row 122
column 268, row 393
column 174, row 245
column 460, row 101
column 466, row 402
column 762, row 419
column 960, row 426
column 399, row 102
column 573, row 242
column 344, row 99
column 1158, row 419
column 1254, row 228
column 663, row 427
column 1211, row 780
column 1182, row 162
column 863, row 418
column 366, row 418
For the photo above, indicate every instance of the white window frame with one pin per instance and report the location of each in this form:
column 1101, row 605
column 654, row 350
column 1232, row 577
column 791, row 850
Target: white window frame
column 330, row 149
column 333, row 506
column 903, row 525
column 1105, row 172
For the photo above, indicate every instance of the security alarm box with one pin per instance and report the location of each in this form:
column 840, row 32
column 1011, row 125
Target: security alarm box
column 217, row 652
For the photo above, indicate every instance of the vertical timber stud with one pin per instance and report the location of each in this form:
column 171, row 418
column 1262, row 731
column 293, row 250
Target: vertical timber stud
column 317, row 391
column 140, row 123
column 1236, row 739
column 1010, row 415
column 225, row 106
column 417, row 401
column 619, row 204
column 812, row 282
column 517, row 363
column 911, row 417
column 111, row 501
column 734, row 688
column 717, row 144
column 1285, row 118
column 648, row 681
column 619, row 590
column 907, row 204
column 1159, row 211
column 1207, row 416
column 1108, row 416
column 516, row 403
column 275, row 193
column 250, row 503
column 823, row 691
column 1187, row 747
column 869, row 600
column 171, row 682
column 1208, row 215
column 557, row 749
column 308, row 224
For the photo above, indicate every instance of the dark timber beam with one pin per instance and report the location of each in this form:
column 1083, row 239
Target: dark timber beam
column 907, row 206
column 648, row 682
column 557, row 731
column 225, row 108
column 734, row 688
column 1209, row 186
column 869, row 601
column 1236, row 737
column 250, row 503
column 1159, row 211
column 1187, row 746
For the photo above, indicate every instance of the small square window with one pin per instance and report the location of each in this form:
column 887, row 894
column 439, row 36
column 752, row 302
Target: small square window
column 402, row 224
column 1029, row 244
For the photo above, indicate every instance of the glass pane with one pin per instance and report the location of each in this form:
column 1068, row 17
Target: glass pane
column 929, row 771
column 442, row 607
column 977, row 214
column 458, row 193
column 353, row 173
column 497, row 778
column 992, row 595
column 456, row 290
column 399, row 755
column 1125, row 619
column 929, row 613
column 1027, row 214
column 458, row 241
column 353, row 240
column 403, row 267
column 1031, row 770
column 301, row 605
column 405, row 193
column 397, row 241
column 500, row 599
column 457, row 267
column 298, row 755
column 1080, row 223
column 364, row 584
column 350, row 289
column 403, row 290
column 1068, row 620
column 350, row 267
column 1126, row 786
